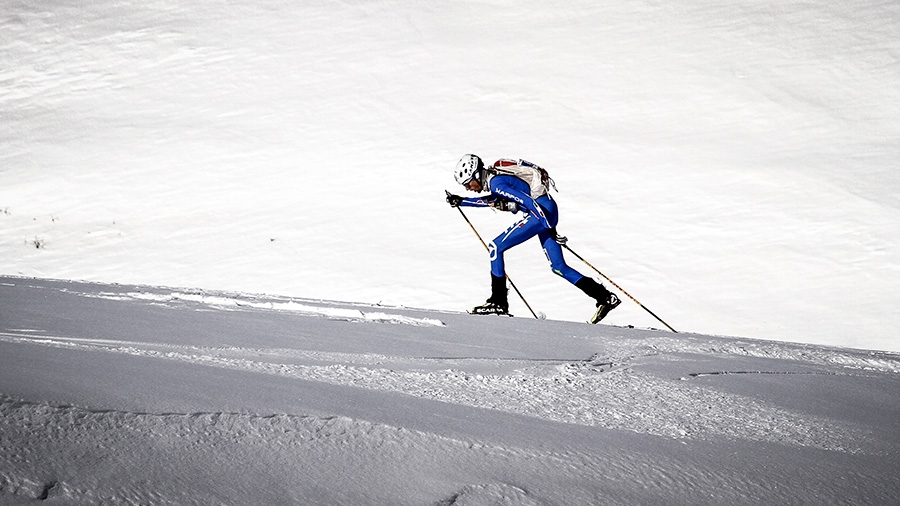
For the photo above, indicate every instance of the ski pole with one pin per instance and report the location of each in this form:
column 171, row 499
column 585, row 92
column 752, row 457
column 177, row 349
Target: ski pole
column 513, row 285
column 619, row 287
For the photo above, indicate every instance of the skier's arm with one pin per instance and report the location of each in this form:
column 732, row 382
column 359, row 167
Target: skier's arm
column 481, row 201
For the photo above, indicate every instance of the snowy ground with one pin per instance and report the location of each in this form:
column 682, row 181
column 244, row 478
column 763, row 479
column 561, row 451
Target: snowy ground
column 733, row 165
column 114, row 394
column 730, row 164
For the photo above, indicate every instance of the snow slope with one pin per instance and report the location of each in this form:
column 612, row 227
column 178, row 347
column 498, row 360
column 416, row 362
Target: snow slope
column 732, row 165
column 116, row 394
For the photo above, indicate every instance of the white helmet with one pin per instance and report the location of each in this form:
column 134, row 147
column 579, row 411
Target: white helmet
column 469, row 167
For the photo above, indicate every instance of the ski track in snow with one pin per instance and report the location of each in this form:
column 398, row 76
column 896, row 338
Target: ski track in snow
column 808, row 354
column 603, row 392
column 236, row 303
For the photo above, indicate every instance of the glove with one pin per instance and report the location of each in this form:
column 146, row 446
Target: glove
column 560, row 239
column 506, row 205
column 454, row 200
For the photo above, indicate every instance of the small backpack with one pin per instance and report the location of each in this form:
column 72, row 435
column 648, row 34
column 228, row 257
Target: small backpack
column 537, row 177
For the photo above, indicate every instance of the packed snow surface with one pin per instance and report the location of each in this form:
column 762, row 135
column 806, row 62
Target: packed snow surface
column 113, row 394
column 732, row 165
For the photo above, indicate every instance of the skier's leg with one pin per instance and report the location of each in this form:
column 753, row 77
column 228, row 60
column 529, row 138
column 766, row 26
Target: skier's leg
column 606, row 300
column 519, row 232
column 552, row 249
column 593, row 289
column 557, row 262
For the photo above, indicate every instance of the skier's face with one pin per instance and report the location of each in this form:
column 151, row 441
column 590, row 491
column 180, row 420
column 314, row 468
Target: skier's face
column 473, row 185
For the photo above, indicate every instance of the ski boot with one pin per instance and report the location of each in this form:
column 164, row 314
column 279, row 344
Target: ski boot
column 490, row 308
column 606, row 300
column 497, row 303
column 605, row 307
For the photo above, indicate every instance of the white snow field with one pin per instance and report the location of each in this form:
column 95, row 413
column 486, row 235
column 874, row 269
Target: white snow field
column 114, row 394
column 187, row 187
column 733, row 165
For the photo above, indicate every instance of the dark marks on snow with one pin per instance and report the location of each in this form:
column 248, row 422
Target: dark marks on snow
column 46, row 490
column 491, row 493
column 13, row 485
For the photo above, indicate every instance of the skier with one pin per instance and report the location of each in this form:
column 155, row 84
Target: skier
column 518, row 185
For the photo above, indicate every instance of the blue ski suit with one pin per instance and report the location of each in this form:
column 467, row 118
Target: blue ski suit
column 540, row 215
